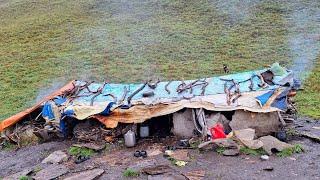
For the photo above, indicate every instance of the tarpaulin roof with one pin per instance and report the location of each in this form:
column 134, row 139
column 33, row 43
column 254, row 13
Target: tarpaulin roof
column 106, row 106
column 215, row 86
column 17, row 117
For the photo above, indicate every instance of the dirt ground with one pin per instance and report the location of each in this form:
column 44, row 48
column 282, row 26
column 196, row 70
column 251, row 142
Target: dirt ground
column 298, row 166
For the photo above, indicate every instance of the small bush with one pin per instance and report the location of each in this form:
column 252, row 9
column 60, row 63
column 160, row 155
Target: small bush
column 80, row 151
column 297, row 148
column 220, row 150
column 195, row 145
column 130, row 173
column 8, row 146
column 24, row 178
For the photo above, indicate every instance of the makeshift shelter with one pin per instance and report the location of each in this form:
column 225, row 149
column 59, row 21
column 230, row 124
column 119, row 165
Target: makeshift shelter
column 256, row 92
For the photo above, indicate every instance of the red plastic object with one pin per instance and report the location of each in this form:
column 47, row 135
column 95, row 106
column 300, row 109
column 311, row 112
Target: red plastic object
column 217, row 132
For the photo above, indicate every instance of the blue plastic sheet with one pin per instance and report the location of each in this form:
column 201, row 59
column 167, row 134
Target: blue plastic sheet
column 59, row 100
column 280, row 102
column 47, row 111
column 107, row 110
column 263, row 99
column 215, row 86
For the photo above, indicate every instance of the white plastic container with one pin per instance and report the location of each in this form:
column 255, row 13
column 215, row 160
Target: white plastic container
column 144, row 131
column 130, row 139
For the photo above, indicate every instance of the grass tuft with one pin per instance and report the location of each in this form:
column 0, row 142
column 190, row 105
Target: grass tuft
column 220, row 150
column 24, row 178
column 130, row 173
column 253, row 152
column 81, row 151
column 172, row 160
column 8, row 146
column 297, row 148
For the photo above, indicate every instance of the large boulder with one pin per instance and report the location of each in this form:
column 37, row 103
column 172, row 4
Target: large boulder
column 263, row 123
column 271, row 144
column 183, row 125
column 246, row 137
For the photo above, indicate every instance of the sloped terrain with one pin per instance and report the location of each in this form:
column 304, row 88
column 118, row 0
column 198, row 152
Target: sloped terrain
column 44, row 44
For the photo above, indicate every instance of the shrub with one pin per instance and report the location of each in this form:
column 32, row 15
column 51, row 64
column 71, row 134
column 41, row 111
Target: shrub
column 130, row 173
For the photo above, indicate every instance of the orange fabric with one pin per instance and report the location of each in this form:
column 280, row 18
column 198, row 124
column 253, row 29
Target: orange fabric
column 16, row 118
column 104, row 119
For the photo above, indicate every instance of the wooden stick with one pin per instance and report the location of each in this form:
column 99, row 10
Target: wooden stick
column 166, row 87
column 136, row 92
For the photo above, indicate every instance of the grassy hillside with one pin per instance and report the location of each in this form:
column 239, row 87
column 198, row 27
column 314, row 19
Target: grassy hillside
column 308, row 100
column 45, row 42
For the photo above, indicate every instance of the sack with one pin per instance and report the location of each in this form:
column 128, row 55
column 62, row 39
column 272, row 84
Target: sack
column 217, row 131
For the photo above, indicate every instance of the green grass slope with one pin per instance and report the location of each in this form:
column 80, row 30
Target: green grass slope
column 48, row 41
column 309, row 99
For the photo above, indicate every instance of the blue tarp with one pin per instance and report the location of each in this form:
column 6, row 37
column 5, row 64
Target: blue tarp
column 47, row 111
column 215, row 86
column 280, row 102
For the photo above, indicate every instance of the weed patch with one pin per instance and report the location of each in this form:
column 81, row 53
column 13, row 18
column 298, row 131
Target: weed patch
column 8, row 146
column 172, row 160
column 24, row 178
column 80, row 151
column 253, row 152
column 297, row 148
column 130, row 173
column 220, row 150
column 195, row 144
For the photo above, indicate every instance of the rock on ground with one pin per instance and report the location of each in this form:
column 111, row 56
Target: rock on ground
column 56, row 157
column 51, row 172
column 270, row 143
column 17, row 175
column 181, row 155
column 231, row 152
column 183, row 124
column 27, row 157
column 263, row 123
column 87, row 175
column 195, row 174
column 142, row 164
column 246, row 137
column 226, row 143
column 156, row 170
column 167, row 176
